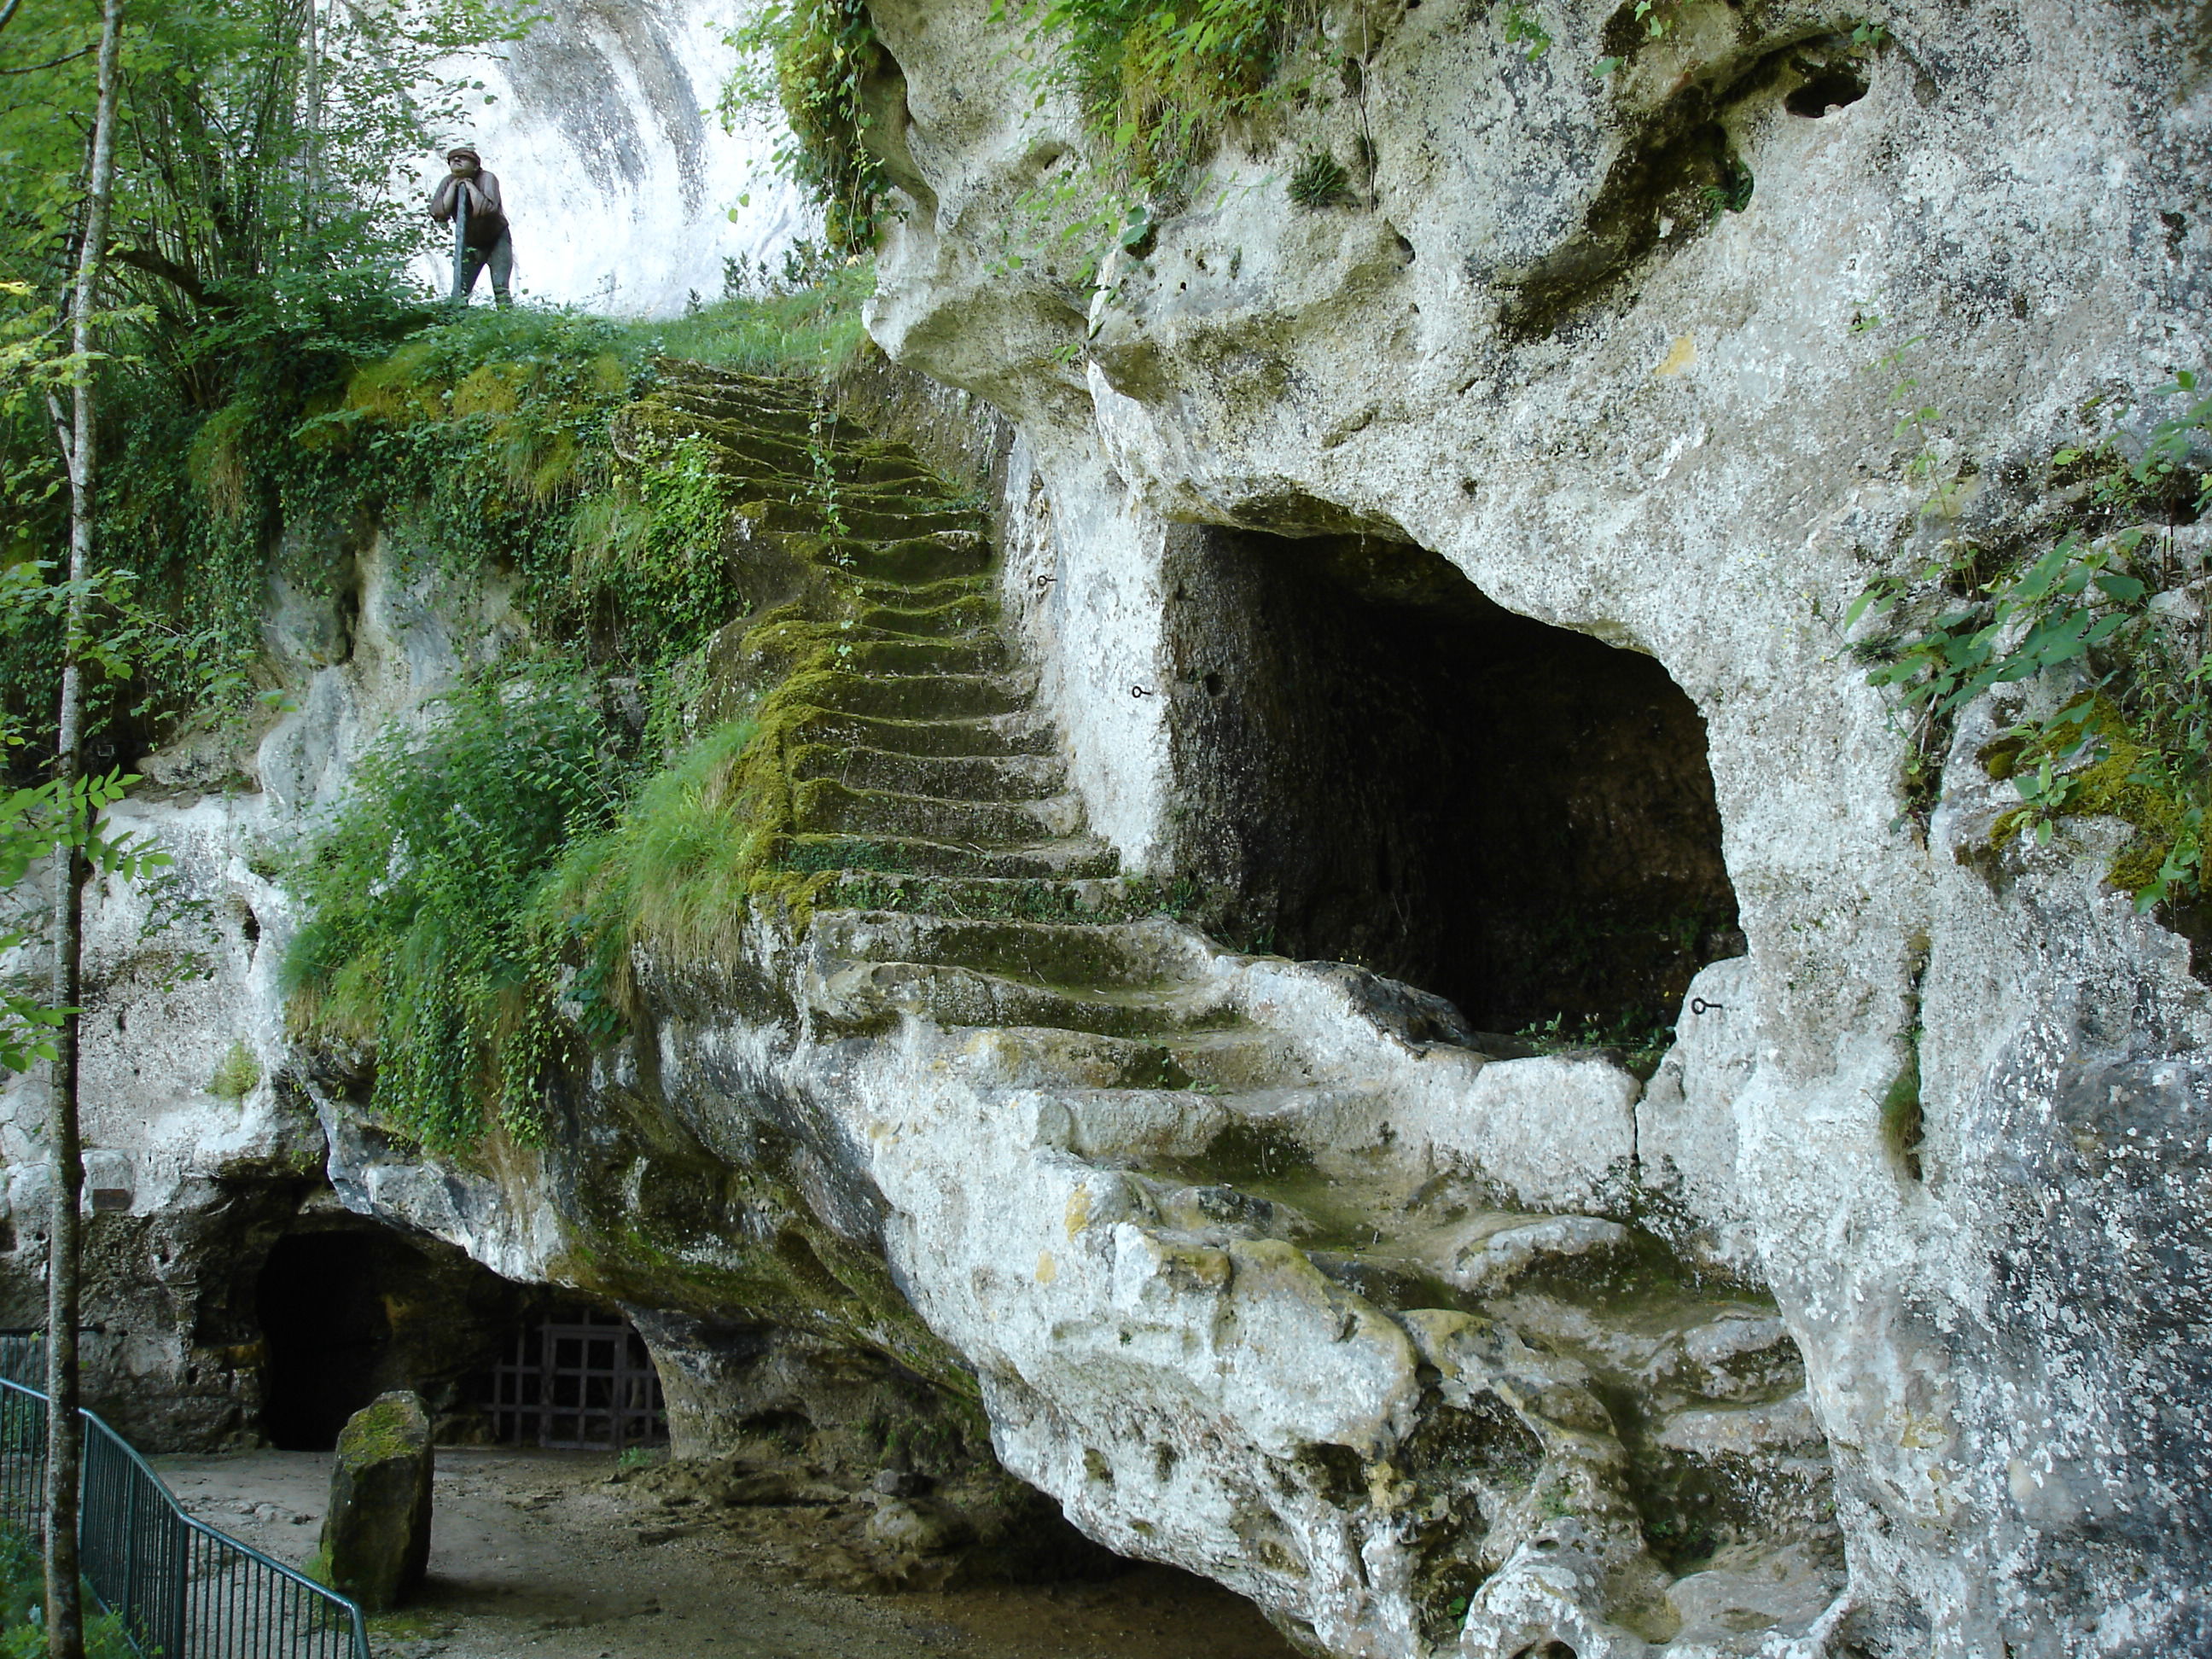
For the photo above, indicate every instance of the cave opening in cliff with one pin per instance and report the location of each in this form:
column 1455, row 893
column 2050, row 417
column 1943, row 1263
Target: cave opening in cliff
column 350, row 1309
column 1386, row 767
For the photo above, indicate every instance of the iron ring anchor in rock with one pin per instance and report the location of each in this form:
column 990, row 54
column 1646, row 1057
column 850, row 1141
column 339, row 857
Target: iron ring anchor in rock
column 1699, row 1006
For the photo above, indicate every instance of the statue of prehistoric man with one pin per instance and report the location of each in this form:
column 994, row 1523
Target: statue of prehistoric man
column 484, row 238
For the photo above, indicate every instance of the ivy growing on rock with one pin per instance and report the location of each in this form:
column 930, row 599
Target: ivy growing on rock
column 815, row 60
column 420, row 949
column 2104, row 627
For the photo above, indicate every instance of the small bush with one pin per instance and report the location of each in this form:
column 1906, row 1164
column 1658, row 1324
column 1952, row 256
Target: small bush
column 236, row 1075
column 2090, row 612
column 22, row 1606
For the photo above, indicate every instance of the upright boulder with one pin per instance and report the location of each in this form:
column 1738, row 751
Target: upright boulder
column 376, row 1537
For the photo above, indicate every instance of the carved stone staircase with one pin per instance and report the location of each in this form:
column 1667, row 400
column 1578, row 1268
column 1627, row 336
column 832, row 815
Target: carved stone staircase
column 1590, row 1403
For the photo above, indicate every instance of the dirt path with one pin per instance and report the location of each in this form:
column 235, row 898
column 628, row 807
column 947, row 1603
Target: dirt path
column 540, row 1555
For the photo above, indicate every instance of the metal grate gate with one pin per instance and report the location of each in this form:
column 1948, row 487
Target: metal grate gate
column 582, row 1383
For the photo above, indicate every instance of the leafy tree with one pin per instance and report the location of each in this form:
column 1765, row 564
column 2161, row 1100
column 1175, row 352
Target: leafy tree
column 206, row 206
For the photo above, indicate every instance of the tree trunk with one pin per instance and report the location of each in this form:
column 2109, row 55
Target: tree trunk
column 64, row 1431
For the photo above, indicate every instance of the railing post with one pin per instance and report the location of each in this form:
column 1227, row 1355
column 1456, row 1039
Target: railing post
column 250, row 1606
column 128, row 1609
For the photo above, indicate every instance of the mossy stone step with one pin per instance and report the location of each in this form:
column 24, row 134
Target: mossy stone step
column 1142, row 956
column 928, row 596
column 1083, row 899
column 796, row 423
column 862, row 993
column 1044, row 860
column 745, row 446
column 826, row 806
column 932, row 491
column 915, row 561
column 986, row 639
column 1049, row 1057
column 1241, row 1061
column 918, row 697
column 864, row 523
column 950, row 777
column 966, row 613
column 1004, row 734
column 975, row 654
column 801, row 388
column 797, row 420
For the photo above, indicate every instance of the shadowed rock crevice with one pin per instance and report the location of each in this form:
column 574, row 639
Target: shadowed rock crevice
column 349, row 1308
column 1386, row 768
column 1677, row 170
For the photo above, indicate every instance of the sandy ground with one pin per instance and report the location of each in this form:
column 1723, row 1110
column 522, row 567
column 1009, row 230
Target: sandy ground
column 542, row 1555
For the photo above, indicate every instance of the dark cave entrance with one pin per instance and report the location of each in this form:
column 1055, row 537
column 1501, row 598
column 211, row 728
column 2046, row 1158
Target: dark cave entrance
column 349, row 1308
column 1388, row 767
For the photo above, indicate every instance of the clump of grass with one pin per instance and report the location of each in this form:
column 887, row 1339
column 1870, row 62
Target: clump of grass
column 676, row 872
column 236, row 1075
column 815, row 329
column 1319, row 181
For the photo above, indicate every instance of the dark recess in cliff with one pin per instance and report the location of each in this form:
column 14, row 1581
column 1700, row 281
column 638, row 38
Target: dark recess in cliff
column 352, row 1308
column 1384, row 766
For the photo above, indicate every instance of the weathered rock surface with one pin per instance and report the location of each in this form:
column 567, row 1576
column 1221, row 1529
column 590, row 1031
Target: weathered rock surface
column 376, row 1533
column 1666, row 426
column 1282, row 1271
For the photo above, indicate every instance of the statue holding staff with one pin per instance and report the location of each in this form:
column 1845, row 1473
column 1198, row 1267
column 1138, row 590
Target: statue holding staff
column 468, row 199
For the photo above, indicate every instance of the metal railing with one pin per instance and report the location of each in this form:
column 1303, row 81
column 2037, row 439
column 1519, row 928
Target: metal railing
column 181, row 1588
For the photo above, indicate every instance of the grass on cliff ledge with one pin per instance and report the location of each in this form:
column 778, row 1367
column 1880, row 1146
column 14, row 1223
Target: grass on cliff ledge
column 815, row 329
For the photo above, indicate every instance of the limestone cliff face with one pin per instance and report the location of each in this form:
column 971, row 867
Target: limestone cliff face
column 1534, row 347
column 1442, row 592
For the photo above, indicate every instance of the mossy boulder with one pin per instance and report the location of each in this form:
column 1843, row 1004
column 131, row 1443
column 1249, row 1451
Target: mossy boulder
column 376, row 1536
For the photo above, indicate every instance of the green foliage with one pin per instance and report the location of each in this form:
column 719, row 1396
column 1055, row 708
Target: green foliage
column 1159, row 82
column 22, row 1606
column 264, row 210
column 1653, row 19
column 788, row 329
column 813, row 59
column 677, row 870
column 419, row 949
column 1523, row 29
column 1642, row 1037
column 1733, row 195
column 33, row 821
column 1319, row 181
column 2085, row 618
column 236, row 1075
